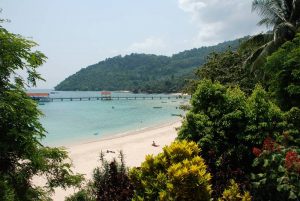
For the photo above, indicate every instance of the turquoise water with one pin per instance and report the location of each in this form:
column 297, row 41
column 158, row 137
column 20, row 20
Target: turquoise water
column 69, row 122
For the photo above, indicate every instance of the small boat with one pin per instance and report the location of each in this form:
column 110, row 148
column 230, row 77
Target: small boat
column 157, row 107
column 178, row 115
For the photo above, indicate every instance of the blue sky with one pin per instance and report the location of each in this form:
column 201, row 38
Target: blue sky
column 75, row 33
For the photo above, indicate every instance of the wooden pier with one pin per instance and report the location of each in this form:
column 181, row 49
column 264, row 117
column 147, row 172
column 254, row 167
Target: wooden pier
column 52, row 99
column 105, row 96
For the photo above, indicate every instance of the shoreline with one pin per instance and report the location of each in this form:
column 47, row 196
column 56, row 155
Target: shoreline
column 135, row 146
column 116, row 135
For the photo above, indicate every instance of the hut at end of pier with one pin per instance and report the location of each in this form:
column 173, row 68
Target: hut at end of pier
column 106, row 95
column 40, row 97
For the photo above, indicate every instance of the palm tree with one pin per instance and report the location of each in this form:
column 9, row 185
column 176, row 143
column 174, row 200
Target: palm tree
column 283, row 16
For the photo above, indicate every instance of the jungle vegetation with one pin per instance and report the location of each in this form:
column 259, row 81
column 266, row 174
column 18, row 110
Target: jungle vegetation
column 22, row 156
column 143, row 72
column 239, row 141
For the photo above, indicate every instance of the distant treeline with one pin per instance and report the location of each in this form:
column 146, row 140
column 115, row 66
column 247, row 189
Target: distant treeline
column 143, row 72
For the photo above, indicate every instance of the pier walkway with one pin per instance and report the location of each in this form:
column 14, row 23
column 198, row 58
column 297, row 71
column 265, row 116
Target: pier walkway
column 52, row 99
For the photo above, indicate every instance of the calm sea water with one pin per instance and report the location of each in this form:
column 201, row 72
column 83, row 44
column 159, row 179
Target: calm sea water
column 68, row 122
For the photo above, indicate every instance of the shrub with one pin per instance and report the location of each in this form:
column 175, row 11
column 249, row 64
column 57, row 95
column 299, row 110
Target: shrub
column 81, row 195
column 277, row 172
column 110, row 182
column 227, row 125
column 178, row 173
column 232, row 193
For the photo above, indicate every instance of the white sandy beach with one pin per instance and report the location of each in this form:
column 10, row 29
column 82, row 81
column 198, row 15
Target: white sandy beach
column 135, row 146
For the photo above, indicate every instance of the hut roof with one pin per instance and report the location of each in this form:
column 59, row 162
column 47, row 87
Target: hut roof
column 38, row 94
column 105, row 93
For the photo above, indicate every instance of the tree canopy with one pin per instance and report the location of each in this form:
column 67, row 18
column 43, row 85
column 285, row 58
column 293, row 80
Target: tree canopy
column 283, row 74
column 283, row 17
column 142, row 72
column 22, row 156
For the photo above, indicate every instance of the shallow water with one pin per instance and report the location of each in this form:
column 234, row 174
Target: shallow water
column 68, row 122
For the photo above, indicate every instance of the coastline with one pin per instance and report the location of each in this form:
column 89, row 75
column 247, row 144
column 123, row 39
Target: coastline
column 111, row 136
column 134, row 144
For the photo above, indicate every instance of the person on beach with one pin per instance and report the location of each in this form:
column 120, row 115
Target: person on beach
column 154, row 144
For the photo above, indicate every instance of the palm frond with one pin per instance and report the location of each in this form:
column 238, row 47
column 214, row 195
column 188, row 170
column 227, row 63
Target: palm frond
column 284, row 16
column 251, row 59
column 256, row 41
column 267, row 22
column 258, row 58
column 271, row 9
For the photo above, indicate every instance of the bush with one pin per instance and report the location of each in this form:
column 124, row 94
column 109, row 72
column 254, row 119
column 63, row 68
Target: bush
column 179, row 173
column 277, row 172
column 81, row 195
column 227, row 125
column 110, row 183
column 232, row 193
column 283, row 74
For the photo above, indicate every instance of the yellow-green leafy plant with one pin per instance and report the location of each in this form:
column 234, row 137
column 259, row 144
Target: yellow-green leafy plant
column 233, row 193
column 178, row 173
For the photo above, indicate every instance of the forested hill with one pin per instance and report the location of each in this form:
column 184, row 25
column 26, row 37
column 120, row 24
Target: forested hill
column 142, row 72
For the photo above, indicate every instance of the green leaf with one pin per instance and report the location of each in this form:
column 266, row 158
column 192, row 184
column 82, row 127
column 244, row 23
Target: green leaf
column 266, row 163
column 281, row 168
column 292, row 195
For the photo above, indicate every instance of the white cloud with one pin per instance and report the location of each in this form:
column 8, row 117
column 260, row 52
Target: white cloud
column 191, row 6
column 219, row 20
column 150, row 45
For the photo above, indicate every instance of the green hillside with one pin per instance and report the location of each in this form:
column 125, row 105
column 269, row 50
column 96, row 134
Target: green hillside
column 142, row 72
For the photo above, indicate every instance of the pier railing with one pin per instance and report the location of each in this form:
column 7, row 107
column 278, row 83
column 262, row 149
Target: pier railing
column 52, row 99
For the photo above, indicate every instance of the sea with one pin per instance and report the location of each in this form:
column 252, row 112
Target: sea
column 71, row 122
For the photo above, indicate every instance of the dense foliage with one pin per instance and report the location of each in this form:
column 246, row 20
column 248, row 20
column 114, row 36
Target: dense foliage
column 242, row 133
column 284, row 19
column 278, row 171
column 232, row 193
column 227, row 68
column 283, row 74
column 178, row 173
column 110, row 182
column 21, row 154
column 227, row 125
column 142, row 72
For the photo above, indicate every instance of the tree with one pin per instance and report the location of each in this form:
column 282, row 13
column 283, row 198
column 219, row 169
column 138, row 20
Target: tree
column 22, row 156
column 284, row 18
column 110, row 182
column 227, row 125
column 142, row 72
column 227, row 68
column 178, row 173
column 283, row 74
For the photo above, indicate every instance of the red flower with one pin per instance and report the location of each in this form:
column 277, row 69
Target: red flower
column 256, row 151
column 291, row 159
column 268, row 144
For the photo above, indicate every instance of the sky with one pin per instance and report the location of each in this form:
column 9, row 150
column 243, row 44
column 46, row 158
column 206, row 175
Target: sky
column 74, row 34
